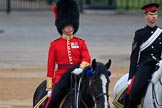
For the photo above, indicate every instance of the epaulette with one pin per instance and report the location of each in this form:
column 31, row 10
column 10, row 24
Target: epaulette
column 160, row 27
column 141, row 29
column 56, row 39
column 78, row 38
column 52, row 42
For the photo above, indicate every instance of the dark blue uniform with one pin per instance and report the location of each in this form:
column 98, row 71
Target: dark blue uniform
column 146, row 46
column 138, row 66
column 138, row 57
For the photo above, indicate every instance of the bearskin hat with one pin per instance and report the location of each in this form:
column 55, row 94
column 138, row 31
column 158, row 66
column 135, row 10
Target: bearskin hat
column 66, row 12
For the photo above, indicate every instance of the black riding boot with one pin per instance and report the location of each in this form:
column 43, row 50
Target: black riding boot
column 132, row 104
column 126, row 101
column 59, row 91
column 135, row 97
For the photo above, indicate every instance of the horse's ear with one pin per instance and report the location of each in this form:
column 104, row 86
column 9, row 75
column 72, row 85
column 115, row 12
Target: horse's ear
column 94, row 64
column 108, row 64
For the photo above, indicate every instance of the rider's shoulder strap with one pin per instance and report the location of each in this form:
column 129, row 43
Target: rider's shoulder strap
column 152, row 38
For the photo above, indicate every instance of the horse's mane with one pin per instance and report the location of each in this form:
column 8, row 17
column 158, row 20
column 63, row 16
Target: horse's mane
column 157, row 74
column 84, row 75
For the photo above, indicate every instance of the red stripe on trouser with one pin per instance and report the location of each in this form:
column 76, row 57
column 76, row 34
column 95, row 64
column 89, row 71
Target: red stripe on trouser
column 130, row 86
column 49, row 99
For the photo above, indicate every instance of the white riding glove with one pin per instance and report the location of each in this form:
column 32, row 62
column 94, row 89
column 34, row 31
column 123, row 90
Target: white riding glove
column 49, row 93
column 129, row 81
column 77, row 71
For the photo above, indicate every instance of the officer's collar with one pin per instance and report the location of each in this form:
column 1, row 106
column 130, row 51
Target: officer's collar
column 152, row 28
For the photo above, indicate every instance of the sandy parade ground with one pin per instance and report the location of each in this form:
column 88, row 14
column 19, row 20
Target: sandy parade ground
column 24, row 42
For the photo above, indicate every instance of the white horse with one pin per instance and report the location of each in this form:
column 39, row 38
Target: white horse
column 153, row 97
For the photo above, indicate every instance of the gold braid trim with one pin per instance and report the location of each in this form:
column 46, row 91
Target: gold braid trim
column 49, row 83
column 84, row 64
column 40, row 102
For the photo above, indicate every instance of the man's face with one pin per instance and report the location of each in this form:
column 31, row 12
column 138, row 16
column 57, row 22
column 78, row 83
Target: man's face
column 151, row 17
column 68, row 30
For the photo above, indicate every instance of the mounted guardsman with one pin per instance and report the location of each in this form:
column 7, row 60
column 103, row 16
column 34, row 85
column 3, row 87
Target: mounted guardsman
column 67, row 51
column 147, row 44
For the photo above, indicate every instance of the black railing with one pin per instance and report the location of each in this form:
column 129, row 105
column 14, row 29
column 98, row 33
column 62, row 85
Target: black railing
column 134, row 4
column 99, row 4
column 23, row 5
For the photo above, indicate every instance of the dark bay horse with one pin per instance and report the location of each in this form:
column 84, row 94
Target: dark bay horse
column 90, row 91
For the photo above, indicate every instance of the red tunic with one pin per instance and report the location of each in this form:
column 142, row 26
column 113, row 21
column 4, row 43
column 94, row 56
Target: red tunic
column 65, row 52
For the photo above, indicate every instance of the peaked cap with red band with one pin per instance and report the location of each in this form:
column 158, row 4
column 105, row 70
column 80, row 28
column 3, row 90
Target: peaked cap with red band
column 66, row 12
column 150, row 7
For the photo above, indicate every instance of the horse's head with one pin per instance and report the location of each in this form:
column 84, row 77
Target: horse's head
column 100, row 82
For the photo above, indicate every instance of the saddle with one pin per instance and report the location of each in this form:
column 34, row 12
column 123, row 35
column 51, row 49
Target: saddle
column 120, row 98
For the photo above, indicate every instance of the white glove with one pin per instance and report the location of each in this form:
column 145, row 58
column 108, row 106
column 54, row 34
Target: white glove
column 159, row 63
column 129, row 81
column 49, row 93
column 77, row 71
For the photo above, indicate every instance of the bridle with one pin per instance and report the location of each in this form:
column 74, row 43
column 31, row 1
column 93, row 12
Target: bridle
column 100, row 95
column 95, row 98
column 92, row 81
column 154, row 97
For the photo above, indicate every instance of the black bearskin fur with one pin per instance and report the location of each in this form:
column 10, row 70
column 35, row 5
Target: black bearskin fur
column 68, row 14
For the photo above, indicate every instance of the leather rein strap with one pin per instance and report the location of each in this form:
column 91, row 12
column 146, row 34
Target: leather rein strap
column 154, row 97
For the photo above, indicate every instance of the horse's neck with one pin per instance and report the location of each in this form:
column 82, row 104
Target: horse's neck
column 157, row 82
column 158, row 90
column 155, row 86
column 154, row 92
